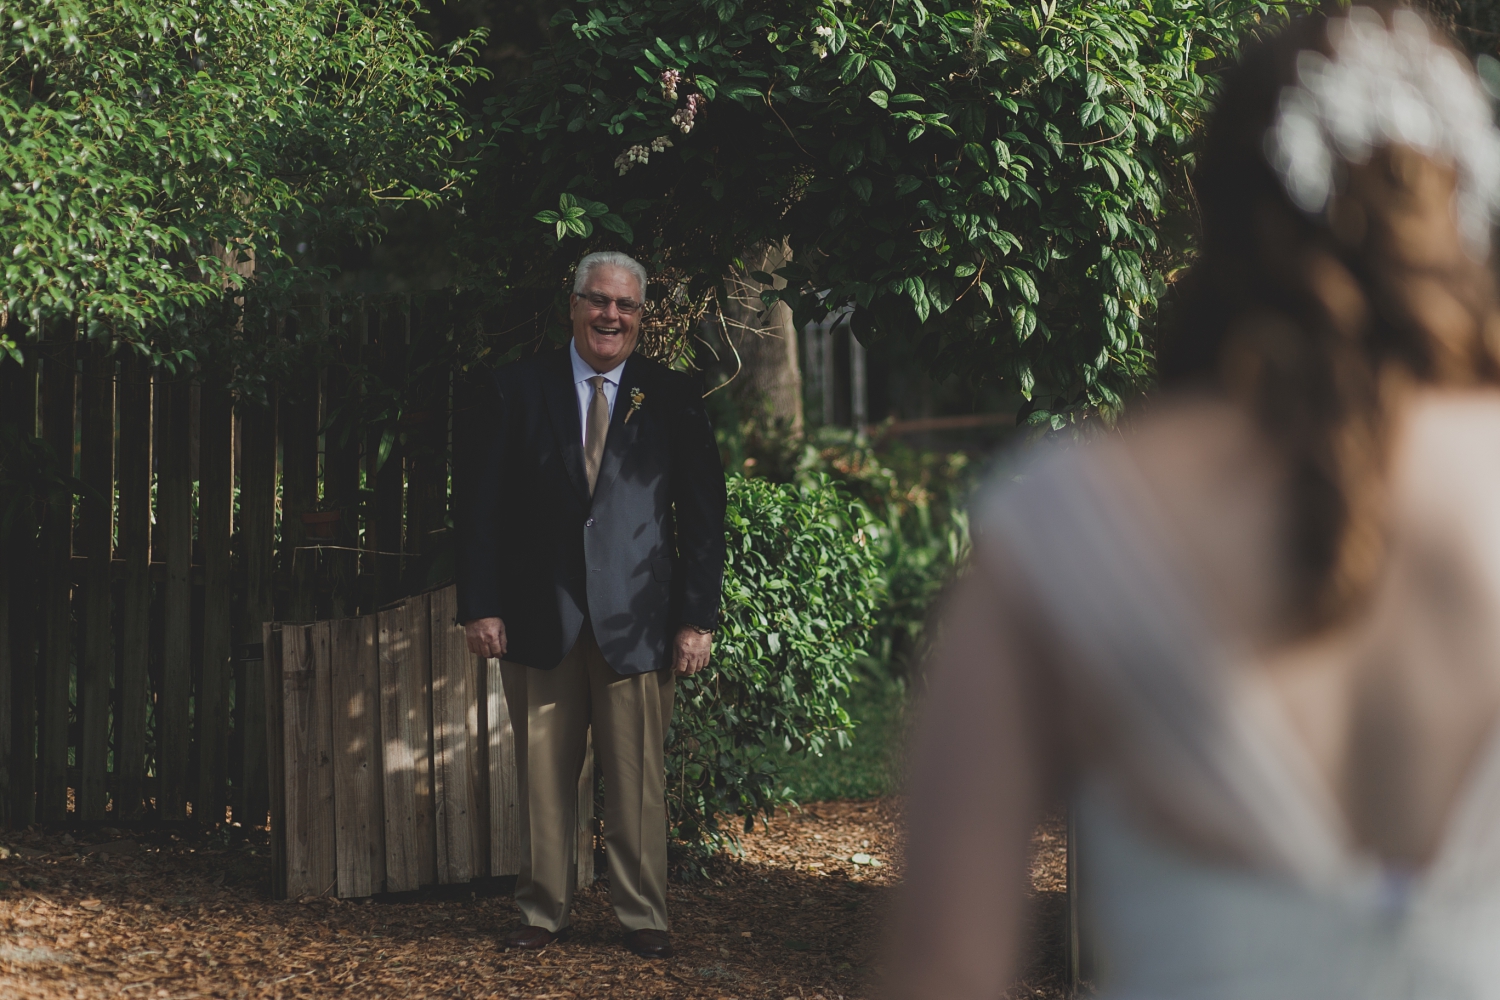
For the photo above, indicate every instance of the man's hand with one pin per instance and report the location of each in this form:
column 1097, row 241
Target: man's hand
column 486, row 637
column 690, row 651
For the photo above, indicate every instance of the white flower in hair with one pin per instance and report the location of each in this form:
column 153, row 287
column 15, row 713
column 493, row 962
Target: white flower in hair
column 1395, row 86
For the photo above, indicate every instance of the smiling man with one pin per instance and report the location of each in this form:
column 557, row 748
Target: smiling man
column 589, row 501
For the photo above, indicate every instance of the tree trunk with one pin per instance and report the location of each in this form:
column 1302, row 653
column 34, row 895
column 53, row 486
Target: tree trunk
column 769, row 383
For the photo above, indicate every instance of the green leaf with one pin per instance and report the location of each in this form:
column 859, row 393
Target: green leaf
column 851, row 64
column 883, row 74
column 618, row 226
column 879, row 97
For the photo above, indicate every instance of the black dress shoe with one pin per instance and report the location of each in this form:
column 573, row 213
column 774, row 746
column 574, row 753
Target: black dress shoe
column 649, row 943
column 532, row 938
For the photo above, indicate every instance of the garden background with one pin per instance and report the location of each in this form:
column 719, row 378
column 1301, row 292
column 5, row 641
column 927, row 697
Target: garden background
column 891, row 235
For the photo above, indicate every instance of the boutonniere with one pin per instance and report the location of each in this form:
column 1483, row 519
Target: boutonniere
column 637, row 397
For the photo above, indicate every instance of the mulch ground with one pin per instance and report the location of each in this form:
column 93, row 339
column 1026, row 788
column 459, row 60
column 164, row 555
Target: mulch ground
column 161, row 916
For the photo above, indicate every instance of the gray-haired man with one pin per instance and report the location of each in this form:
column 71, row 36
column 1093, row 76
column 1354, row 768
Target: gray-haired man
column 590, row 509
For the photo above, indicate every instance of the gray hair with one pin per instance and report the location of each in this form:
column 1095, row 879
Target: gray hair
column 609, row 258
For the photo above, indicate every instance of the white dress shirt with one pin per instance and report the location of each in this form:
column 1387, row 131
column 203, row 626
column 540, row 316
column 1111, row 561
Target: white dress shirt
column 582, row 372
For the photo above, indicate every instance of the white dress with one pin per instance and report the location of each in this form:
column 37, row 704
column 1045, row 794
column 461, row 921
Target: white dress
column 1298, row 912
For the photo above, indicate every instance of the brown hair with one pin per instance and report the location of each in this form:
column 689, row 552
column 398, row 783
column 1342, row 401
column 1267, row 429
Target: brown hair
column 1317, row 323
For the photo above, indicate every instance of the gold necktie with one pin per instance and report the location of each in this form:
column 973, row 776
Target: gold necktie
column 596, row 432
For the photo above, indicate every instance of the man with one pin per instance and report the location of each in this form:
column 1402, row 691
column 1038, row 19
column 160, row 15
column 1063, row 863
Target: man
column 590, row 510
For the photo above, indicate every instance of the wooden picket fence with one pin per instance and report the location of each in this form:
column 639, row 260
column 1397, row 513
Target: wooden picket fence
column 392, row 758
column 131, row 684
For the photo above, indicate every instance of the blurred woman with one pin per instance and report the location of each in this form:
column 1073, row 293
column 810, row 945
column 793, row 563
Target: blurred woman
column 1255, row 637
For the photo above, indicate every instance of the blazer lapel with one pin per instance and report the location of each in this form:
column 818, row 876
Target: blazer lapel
column 622, row 433
column 562, row 405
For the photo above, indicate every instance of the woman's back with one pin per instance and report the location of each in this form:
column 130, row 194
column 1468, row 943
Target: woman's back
column 1385, row 714
column 1254, row 638
column 1260, row 813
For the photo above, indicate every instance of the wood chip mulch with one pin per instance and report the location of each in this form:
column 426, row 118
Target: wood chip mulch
column 161, row 916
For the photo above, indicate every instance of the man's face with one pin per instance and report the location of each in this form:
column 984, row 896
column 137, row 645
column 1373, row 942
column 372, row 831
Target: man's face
column 605, row 335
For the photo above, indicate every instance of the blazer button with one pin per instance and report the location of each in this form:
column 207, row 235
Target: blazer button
column 589, row 523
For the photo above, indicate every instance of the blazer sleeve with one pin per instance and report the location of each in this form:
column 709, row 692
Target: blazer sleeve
column 478, row 465
column 698, row 497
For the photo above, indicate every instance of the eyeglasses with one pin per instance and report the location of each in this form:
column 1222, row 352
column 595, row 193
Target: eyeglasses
column 627, row 307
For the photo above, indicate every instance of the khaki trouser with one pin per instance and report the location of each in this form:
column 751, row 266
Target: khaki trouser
column 551, row 712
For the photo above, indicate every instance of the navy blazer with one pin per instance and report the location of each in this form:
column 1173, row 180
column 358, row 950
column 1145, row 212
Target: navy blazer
column 639, row 559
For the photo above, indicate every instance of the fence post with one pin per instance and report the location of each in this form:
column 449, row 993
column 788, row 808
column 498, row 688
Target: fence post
column 17, row 611
column 386, row 478
column 427, row 456
column 175, row 521
column 58, row 400
column 95, row 664
column 273, row 740
column 215, row 512
column 257, row 556
column 23, row 563
column 341, row 489
column 133, row 689
column 299, row 494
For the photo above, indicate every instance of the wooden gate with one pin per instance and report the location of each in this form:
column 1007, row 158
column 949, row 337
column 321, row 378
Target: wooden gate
column 391, row 756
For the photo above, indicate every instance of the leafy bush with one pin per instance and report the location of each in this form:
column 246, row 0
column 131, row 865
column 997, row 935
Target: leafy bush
column 920, row 528
column 151, row 144
column 801, row 585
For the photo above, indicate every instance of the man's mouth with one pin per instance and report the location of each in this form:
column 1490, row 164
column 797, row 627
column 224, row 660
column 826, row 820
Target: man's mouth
column 607, row 331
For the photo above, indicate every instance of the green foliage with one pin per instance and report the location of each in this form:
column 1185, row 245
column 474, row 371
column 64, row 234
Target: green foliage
column 872, row 765
column 919, row 527
column 801, row 586
column 984, row 181
column 151, row 146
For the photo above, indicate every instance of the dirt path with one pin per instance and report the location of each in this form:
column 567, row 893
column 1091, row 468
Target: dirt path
column 159, row 918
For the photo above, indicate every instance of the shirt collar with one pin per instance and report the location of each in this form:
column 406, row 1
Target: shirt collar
column 582, row 372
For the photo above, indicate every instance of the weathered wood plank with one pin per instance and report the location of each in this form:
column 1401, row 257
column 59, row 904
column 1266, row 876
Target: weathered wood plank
column 406, row 731
column 426, row 452
column 257, row 554
column 95, row 537
column 451, row 702
column 275, row 743
column 58, row 399
column 357, row 781
column 341, row 493
column 7, row 652
column 174, row 504
column 134, row 548
column 479, row 758
column 506, row 839
column 215, row 513
column 386, row 352
column 298, row 425
column 18, row 564
column 308, row 740
column 585, row 814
